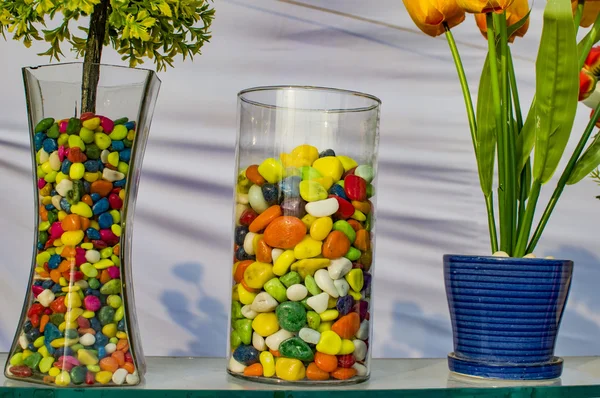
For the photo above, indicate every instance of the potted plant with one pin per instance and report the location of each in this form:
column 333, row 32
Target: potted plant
column 506, row 308
column 88, row 126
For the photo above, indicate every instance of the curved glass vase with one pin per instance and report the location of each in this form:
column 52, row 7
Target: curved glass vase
column 78, row 324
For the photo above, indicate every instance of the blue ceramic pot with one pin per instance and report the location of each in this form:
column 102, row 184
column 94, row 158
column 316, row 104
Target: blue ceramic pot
column 505, row 315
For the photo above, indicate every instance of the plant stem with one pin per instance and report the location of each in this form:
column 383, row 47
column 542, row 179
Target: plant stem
column 515, row 92
column 578, row 15
column 499, row 125
column 588, row 41
column 93, row 55
column 563, row 179
column 489, row 204
column 528, row 218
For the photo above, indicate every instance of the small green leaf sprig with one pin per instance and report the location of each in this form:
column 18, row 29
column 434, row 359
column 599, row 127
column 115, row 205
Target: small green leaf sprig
column 137, row 29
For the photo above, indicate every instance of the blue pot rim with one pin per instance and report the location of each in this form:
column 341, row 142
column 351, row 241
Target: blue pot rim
column 512, row 260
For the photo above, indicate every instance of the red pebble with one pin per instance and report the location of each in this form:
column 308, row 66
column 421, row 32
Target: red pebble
column 75, row 276
column 89, row 378
column 355, row 187
column 346, row 361
column 345, row 210
column 109, row 237
column 20, row 371
column 83, row 323
column 349, row 172
column 35, row 320
column 99, row 244
column 115, row 201
column 58, row 305
column 358, row 265
column 36, row 290
column 62, row 126
column 48, row 311
column 248, row 216
column 107, row 124
column 86, row 116
column 128, row 357
column 35, row 309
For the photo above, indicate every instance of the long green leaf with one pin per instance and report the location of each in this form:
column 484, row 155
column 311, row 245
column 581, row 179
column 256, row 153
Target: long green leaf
column 486, row 131
column 557, row 88
column 587, row 162
column 526, row 140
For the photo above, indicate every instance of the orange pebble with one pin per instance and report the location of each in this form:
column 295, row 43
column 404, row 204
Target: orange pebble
column 44, row 322
column 109, row 363
column 248, row 288
column 83, row 331
column 254, row 370
column 44, row 274
column 119, row 356
column 253, row 175
column 336, row 245
column 276, row 354
column 343, row 373
column 85, row 223
column 362, row 241
column 101, row 187
column 66, row 265
column 326, row 362
column 123, row 345
column 355, row 224
column 313, row 372
column 238, row 275
column 48, row 379
column 104, row 276
column 347, row 326
column 265, row 218
column 129, row 367
column 263, row 252
column 68, row 251
column 285, row 232
column 87, row 199
column 43, row 213
column 117, row 250
column 71, row 222
column 55, row 275
column 365, row 206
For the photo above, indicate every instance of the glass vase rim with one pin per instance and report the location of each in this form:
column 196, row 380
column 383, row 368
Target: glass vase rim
column 33, row 67
column 377, row 101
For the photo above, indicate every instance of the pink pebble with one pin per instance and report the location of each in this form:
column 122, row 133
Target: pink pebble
column 37, row 290
column 80, row 256
column 69, row 359
column 62, row 126
column 92, row 303
column 107, row 124
column 115, row 201
column 61, row 153
column 56, row 230
column 41, row 183
column 48, row 311
column 114, row 272
column 109, row 237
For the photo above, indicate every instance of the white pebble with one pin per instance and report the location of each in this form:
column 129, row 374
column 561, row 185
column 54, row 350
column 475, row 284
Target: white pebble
column 242, row 198
column 133, row 378
column 549, row 257
column 360, row 349
column 501, row 254
column 23, row 342
column 248, row 312
column 56, row 201
column 104, row 155
column 92, row 256
column 54, row 161
column 275, row 253
column 119, row 376
column 318, row 302
column 296, row 292
column 530, row 255
column 363, row 330
column 112, row 175
column 110, row 348
column 63, row 187
column 235, row 366
column 256, row 199
column 339, row 267
column 248, row 246
column 88, row 339
column 44, row 156
column 46, row 297
column 322, row 208
column 258, row 342
column 264, row 302
column 309, row 335
column 361, row 370
column 277, row 338
column 325, row 282
column 341, row 286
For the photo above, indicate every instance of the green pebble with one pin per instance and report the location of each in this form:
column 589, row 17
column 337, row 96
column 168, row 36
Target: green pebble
column 17, row 359
column 71, row 333
column 365, row 172
column 113, row 286
column 346, row 229
column 127, row 143
column 33, row 360
column 93, row 368
column 76, row 347
column 236, row 310
column 89, row 270
column 114, row 301
column 234, row 339
column 78, row 374
column 122, row 120
column 276, row 289
column 296, row 348
column 44, row 124
column 62, row 139
column 57, row 318
column 92, row 152
column 43, row 237
column 86, row 135
column 370, row 190
column 369, row 221
column 123, row 167
column 73, row 126
column 76, row 141
column 309, row 173
column 53, row 131
column 340, row 183
column 313, row 319
column 353, row 254
column 94, row 283
column 304, row 302
column 291, row 278
column 106, row 315
column 291, row 316
column 311, row 285
column 106, row 252
column 118, row 133
column 52, row 217
column 46, row 364
column 113, row 340
column 244, row 328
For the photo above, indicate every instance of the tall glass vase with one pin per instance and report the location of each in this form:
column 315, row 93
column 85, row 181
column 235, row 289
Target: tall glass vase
column 78, row 325
column 304, row 236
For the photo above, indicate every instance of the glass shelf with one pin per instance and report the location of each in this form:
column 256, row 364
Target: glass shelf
column 409, row 378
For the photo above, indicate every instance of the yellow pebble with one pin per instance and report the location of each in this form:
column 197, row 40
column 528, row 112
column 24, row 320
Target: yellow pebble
column 308, row 220
column 39, row 342
column 312, row 191
column 91, row 124
column 39, row 270
column 58, row 243
column 61, row 176
column 355, row 279
column 87, row 246
column 307, row 248
column 54, row 372
column 94, row 224
column 282, row 264
column 90, row 177
column 116, row 215
column 61, row 216
column 93, row 368
column 234, row 293
column 72, row 238
column 271, row 170
column 307, row 152
column 72, row 300
column 326, row 182
column 131, row 135
column 88, row 314
column 122, row 168
column 329, row 315
column 113, row 158
column 46, row 200
column 76, row 171
column 46, row 168
column 72, row 315
column 347, row 347
column 329, row 166
column 42, row 258
column 26, row 353
column 268, row 363
column 119, row 314
column 321, row 228
column 245, row 296
column 82, row 209
column 58, row 342
column 104, row 263
column 330, row 343
column 356, row 295
column 116, row 229
column 86, row 357
column 265, row 324
column 347, row 162
column 324, row 326
column 309, row 266
column 359, row 215
column 289, row 369
column 63, row 379
column 121, row 335
column 257, row 274
column 62, row 281
column 332, row 302
column 103, row 377
column 110, row 330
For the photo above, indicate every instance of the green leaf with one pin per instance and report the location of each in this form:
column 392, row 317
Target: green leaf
column 513, row 28
column 587, row 162
column 557, row 88
column 486, row 130
column 526, row 139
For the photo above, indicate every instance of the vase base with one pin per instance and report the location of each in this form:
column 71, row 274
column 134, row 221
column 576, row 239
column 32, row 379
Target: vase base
column 517, row 371
column 301, row 383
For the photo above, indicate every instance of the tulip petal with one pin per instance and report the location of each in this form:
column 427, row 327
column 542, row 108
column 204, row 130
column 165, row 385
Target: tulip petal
column 484, row 6
column 587, row 84
column 592, row 62
column 430, row 15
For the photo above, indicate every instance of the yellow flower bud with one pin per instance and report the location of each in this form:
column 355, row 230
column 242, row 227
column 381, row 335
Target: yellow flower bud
column 430, row 15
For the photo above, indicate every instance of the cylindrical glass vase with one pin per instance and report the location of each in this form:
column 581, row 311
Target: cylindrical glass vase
column 304, row 217
column 78, row 325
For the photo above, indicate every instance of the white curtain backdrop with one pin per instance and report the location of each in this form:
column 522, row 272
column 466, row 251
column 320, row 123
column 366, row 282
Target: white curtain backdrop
column 429, row 198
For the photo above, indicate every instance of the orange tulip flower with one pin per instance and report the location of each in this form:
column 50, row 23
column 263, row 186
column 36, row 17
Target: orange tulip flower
column 591, row 9
column 514, row 14
column 484, row 6
column 587, row 84
column 430, row 15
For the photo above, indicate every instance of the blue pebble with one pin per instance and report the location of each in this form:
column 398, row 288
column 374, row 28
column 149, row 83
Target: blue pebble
column 91, row 165
column 100, row 206
column 101, row 339
column 337, row 190
column 56, row 288
column 92, row 292
column 54, row 261
column 121, row 325
column 130, row 125
column 49, row 145
column 246, row 354
column 38, row 139
column 344, row 304
column 92, row 233
column 120, row 183
column 240, row 234
column 106, row 221
column 49, row 206
column 47, row 284
column 327, row 152
column 117, row 145
column 33, row 334
column 63, row 351
column 290, row 186
column 51, row 332
column 95, row 197
column 271, row 193
column 27, row 326
column 241, row 254
column 95, row 324
column 40, row 246
column 51, row 350
column 53, row 192
column 38, row 283
column 31, row 347
column 125, row 155
column 65, row 205
column 87, row 187
column 100, row 166
column 101, row 352
column 66, row 166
